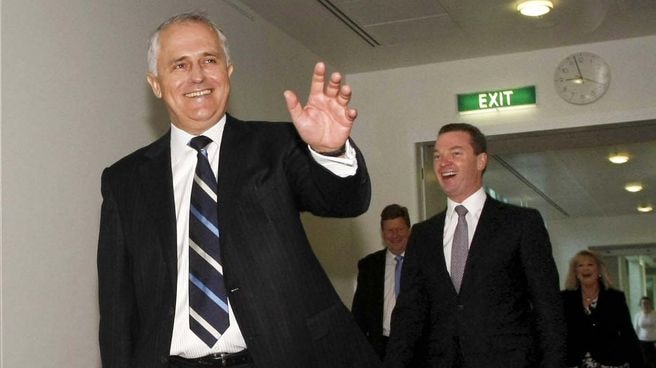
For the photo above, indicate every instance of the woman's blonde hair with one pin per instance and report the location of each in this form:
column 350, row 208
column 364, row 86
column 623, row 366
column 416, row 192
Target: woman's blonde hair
column 572, row 283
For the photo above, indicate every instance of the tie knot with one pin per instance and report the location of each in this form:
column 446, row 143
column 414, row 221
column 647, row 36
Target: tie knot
column 398, row 259
column 461, row 210
column 199, row 142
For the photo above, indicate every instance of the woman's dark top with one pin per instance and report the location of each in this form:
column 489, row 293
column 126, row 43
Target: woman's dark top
column 605, row 331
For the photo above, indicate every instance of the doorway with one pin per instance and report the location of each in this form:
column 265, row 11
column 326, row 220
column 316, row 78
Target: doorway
column 566, row 175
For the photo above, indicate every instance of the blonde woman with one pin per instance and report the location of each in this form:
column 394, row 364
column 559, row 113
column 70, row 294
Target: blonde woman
column 599, row 329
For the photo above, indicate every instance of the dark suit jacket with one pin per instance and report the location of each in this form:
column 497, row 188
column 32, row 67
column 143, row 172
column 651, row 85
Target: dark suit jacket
column 508, row 313
column 607, row 334
column 287, row 309
column 368, row 301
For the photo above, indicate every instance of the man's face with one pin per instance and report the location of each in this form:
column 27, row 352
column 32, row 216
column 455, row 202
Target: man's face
column 395, row 234
column 193, row 77
column 457, row 168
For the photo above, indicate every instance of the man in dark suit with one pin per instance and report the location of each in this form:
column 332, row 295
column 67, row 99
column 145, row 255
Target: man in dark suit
column 377, row 288
column 281, row 307
column 479, row 284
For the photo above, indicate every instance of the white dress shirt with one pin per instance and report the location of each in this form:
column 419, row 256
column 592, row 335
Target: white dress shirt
column 389, row 300
column 474, row 205
column 645, row 325
column 184, row 342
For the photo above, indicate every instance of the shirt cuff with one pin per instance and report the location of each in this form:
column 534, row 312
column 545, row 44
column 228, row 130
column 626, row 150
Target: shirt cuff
column 340, row 166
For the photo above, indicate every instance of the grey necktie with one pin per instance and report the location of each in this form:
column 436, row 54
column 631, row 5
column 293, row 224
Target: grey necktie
column 459, row 248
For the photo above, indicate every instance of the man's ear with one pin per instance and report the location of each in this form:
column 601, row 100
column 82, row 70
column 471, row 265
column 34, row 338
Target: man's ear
column 154, row 84
column 481, row 161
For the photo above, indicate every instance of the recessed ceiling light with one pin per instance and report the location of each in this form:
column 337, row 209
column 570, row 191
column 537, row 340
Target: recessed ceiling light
column 618, row 158
column 645, row 208
column 535, row 8
column 633, row 187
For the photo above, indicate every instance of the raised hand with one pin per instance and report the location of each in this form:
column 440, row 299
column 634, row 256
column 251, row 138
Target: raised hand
column 326, row 120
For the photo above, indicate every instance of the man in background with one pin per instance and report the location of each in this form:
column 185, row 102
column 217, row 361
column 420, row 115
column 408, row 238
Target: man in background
column 197, row 273
column 379, row 276
column 480, row 275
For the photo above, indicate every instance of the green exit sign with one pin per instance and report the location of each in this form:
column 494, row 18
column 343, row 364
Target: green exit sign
column 492, row 100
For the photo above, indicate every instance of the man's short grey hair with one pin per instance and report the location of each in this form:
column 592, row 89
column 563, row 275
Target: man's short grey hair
column 190, row 17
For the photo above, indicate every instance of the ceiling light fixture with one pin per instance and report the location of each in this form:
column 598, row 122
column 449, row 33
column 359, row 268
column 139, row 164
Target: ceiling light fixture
column 618, row 158
column 535, row 8
column 633, row 187
column 644, row 208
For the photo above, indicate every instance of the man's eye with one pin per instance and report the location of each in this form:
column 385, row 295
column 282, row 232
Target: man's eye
column 210, row 61
column 179, row 66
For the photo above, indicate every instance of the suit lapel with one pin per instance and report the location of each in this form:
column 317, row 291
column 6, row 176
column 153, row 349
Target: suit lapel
column 156, row 170
column 232, row 158
column 485, row 230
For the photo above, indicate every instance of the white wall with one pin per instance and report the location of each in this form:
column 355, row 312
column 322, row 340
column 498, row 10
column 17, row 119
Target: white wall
column 401, row 107
column 75, row 100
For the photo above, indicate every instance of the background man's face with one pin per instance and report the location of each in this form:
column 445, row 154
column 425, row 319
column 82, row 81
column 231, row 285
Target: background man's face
column 395, row 234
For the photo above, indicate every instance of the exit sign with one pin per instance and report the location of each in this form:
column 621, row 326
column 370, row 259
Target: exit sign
column 492, row 100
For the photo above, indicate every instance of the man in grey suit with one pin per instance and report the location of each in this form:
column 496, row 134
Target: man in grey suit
column 281, row 307
column 479, row 287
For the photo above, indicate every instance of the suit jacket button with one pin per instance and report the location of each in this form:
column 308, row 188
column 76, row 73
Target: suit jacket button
column 171, row 311
column 164, row 359
column 461, row 307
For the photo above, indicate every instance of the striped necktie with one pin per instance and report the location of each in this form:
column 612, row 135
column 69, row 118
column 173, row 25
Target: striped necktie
column 208, row 302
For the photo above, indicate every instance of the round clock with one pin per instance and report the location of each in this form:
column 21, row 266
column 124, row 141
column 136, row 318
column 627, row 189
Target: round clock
column 582, row 78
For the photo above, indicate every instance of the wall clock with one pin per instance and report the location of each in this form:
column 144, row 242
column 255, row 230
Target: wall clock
column 582, row 78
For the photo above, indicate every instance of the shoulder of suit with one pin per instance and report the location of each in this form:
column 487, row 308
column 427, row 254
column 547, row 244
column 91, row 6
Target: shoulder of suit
column 159, row 146
column 373, row 256
column 260, row 125
column 431, row 221
column 508, row 206
column 614, row 293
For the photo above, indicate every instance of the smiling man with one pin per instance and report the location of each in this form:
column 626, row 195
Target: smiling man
column 378, row 278
column 479, row 287
column 195, row 272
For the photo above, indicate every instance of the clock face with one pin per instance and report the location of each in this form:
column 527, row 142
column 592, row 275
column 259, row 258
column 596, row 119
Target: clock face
column 582, row 78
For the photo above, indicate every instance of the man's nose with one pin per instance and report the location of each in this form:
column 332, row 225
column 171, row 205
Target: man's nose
column 197, row 74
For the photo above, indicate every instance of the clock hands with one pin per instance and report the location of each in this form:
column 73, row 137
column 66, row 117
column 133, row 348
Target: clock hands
column 577, row 67
column 581, row 80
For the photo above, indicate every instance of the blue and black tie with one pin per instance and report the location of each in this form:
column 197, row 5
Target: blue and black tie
column 208, row 302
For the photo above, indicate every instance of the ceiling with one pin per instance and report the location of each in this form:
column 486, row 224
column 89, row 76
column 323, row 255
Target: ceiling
column 367, row 35
column 562, row 173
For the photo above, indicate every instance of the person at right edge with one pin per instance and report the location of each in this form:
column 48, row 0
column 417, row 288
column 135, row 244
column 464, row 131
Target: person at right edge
column 644, row 323
column 479, row 287
column 599, row 329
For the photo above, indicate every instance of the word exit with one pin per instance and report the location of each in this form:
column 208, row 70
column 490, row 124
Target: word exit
column 493, row 100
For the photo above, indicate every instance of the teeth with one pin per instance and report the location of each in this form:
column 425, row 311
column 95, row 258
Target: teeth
column 448, row 173
column 199, row 93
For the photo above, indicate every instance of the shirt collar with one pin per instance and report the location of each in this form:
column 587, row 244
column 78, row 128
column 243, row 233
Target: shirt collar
column 474, row 203
column 180, row 139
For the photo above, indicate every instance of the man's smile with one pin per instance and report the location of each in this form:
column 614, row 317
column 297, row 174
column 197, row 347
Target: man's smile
column 198, row 93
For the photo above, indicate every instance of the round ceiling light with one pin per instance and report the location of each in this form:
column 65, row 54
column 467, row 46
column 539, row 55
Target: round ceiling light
column 618, row 158
column 645, row 208
column 535, row 8
column 633, row 187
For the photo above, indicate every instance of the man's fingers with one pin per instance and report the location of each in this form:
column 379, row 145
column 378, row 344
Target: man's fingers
column 333, row 86
column 344, row 95
column 316, row 87
column 293, row 105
